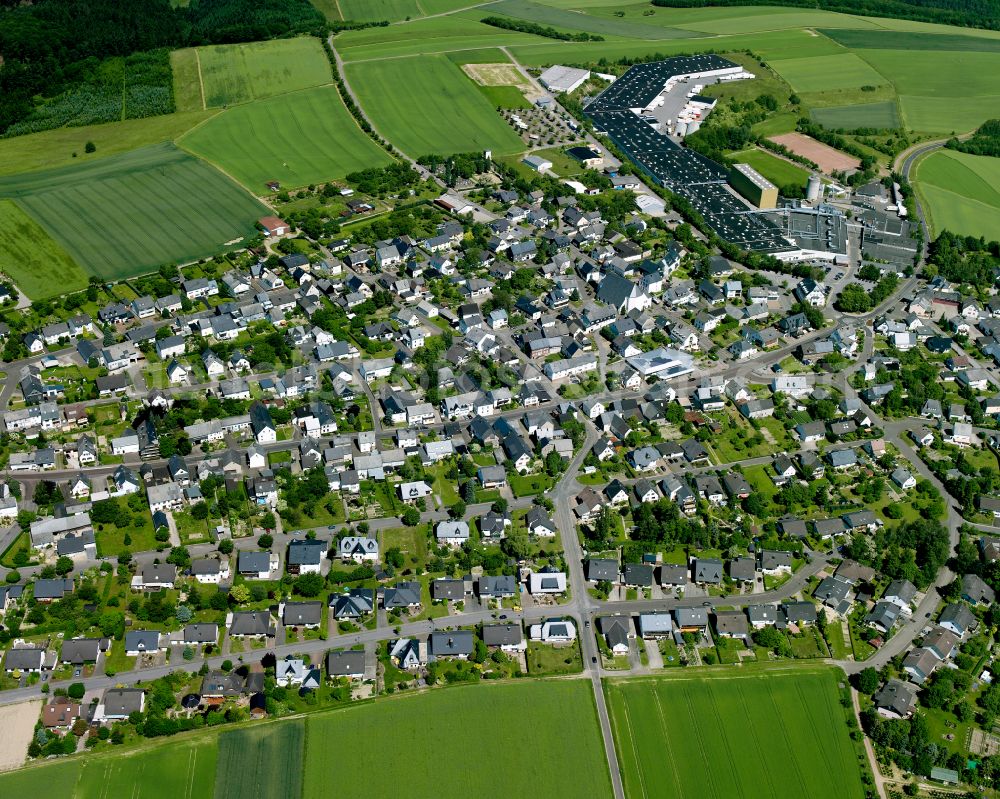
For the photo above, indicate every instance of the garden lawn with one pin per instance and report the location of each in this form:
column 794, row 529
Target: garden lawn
column 960, row 190
column 412, row 541
column 182, row 769
column 39, row 266
column 545, row 659
column 529, row 485
column 262, row 762
column 427, row 105
column 298, row 138
column 760, row 734
column 128, row 214
column 239, row 73
column 527, row 720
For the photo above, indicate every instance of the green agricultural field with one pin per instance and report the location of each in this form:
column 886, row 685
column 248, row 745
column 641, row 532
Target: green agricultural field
column 938, row 74
column 36, row 263
column 529, row 723
column 739, row 22
column 127, row 214
column 824, row 73
column 960, row 192
column 756, row 735
column 945, row 116
column 239, row 73
column 575, row 21
column 262, row 762
column 911, row 41
column 377, row 10
column 777, row 170
column 329, row 9
column 182, row 769
column 504, row 96
column 850, row 117
column 52, row 778
column 187, row 80
column 64, row 146
column 436, row 35
column 298, row 138
column 427, row 105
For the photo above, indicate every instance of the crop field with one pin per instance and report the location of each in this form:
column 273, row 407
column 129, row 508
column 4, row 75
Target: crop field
column 127, row 214
column 54, row 778
column 960, row 192
column 179, row 770
column 850, row 117
column 738, row 22
column 239, row 73
column 777, row 170
column 427, row 105
column 823, row 73
column 298, row 138
column 504, row 96
column 437, row 35
column 263, row 762
column 376, row 10
column 572, row 20
column 36, row 263
column 911, row 41
column 528, row 724
column 755, row 736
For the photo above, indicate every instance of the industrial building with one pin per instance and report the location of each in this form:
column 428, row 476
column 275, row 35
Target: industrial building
column 754, row 186
column 622, row 111
column 563, row 79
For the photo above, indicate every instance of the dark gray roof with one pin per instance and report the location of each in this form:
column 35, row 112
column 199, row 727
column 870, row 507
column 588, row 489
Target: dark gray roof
column 502, row 634
column 302, row 613
column 452, row 643
column 345, row 663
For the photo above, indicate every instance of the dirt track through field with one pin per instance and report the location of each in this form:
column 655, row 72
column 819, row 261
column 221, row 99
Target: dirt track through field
column 18, row 725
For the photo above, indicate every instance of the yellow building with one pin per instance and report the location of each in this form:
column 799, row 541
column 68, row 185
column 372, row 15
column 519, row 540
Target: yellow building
column 754, row 186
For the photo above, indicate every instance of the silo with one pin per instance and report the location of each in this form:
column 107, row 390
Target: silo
column 814, row 189
column 682, row 129
column 693, row 126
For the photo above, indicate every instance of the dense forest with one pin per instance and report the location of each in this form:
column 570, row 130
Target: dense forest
column 985, row 141
column 75, row 50
column 967, row 13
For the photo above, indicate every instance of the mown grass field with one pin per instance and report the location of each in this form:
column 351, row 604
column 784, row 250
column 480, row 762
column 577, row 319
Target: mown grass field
column 911, row 41
column 187, row 80
column 181, row 770
column 759, row 735
column 299, row 138
column 961, row 192
column 376, row 10
column 127, row 214
column 37, row 264
column 64, row 146
column 823, row 73
column 565, row 19
column 777, row 170
column 427, row 105
column 262, row 762
column 851, row 117
column 542, row 739
column 239, row 73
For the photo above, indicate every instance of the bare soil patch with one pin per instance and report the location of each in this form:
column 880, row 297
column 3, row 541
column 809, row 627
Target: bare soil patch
column 18, row 725
column 825, row 157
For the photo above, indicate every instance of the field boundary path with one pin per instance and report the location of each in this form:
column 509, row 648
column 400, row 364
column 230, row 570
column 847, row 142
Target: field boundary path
column 201, row 79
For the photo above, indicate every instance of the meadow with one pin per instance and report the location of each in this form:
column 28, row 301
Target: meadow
column 823, row 73
column 263, row 762
column 36, row 263
column 127, row 214
column 239, row 73
column 299, row 138
column 960, row 192
column 542, row 739
column 865, row 115
column 427, row 105
column 55, row 778
column 574, row 21
column 759, row 735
